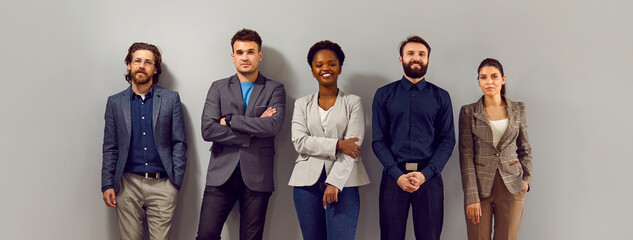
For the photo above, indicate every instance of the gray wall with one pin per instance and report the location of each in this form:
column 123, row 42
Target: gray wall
column 569, row 61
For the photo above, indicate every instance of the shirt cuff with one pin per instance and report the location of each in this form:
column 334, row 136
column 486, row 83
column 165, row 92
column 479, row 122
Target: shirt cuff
column 106, row 188
column 338, row 184
column 428, row 173
column 395, row 172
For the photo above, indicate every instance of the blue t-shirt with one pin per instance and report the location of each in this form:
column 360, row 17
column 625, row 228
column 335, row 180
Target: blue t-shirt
column 247, row 88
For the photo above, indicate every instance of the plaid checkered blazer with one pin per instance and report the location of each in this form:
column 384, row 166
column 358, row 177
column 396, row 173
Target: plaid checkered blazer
column 480, row 159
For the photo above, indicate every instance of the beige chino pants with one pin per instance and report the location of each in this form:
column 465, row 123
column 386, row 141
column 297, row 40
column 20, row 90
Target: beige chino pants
column 140, row 199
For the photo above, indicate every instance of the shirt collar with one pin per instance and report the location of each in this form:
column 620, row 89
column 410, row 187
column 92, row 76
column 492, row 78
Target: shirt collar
column 408, row 84
column 147, row 95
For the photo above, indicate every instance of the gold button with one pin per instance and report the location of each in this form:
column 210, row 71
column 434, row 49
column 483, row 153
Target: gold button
column 497, row 154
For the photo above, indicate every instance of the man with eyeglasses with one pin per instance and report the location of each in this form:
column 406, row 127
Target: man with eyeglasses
column 242, row 115
column 144, row 148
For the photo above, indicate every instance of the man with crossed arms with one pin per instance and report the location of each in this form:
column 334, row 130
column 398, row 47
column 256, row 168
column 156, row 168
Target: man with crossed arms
column 242, row 115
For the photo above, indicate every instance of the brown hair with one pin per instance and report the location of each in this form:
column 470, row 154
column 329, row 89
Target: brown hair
column 416, row 39
column 491, row 62
column 144, row 46
column 247, row 35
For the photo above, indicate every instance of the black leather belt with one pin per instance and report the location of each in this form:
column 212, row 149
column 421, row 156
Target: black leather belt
column 157, row 175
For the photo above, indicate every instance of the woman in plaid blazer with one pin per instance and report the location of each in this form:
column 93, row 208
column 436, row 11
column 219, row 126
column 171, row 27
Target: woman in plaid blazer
column 495, row 158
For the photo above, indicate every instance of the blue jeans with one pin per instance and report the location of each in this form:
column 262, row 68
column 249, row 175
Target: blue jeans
column 338, row 221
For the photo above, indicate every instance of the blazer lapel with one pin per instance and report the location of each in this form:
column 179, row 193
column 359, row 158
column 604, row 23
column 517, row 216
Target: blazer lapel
column 314, row 118
column 513, row 116
column 127, row 109
column 481, row 125
column 257, row 89
column 338, row 115
column 235, row 87
column 156, row 107
column 479, row 112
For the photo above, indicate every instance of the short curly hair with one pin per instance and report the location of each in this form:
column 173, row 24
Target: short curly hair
column 326, row 45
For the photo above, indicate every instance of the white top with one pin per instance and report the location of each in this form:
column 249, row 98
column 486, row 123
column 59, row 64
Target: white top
column 498, row 128
column 325, row 116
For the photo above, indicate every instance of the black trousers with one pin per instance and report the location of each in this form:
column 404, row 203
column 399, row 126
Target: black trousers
column 217, row 203
column 428, row 209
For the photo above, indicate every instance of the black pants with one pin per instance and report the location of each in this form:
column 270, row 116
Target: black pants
column 217, row 203
column 428, row 209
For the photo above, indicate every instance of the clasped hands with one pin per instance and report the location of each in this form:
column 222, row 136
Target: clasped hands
column 411, row 182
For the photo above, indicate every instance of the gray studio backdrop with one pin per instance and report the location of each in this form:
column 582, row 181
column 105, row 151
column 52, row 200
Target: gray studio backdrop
column 569, row 61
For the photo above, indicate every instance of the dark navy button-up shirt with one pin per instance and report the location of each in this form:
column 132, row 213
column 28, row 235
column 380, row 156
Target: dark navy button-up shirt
column 412, row 123
column 143, row 156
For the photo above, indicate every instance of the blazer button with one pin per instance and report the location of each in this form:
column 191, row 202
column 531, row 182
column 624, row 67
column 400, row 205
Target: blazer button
column 497, row 154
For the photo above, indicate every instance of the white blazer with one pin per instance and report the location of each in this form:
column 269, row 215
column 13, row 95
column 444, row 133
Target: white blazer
column 317, row 148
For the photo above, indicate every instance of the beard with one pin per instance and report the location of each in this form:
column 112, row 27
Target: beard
column 414, row 73
column 141, row 80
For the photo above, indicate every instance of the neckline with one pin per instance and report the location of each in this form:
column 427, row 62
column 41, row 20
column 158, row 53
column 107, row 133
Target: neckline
column 501, row 120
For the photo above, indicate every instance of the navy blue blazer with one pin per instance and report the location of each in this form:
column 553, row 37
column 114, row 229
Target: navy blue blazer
column 169, row 135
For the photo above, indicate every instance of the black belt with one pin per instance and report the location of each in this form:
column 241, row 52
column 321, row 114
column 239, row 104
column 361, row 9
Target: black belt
column 157, row 175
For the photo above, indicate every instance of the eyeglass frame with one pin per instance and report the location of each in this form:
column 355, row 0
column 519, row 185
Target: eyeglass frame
column 138, row 61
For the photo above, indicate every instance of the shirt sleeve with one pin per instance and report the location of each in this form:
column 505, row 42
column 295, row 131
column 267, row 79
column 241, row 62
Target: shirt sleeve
column 381, row 140
column 524, row 151
column 466, row 157
column 444, row 136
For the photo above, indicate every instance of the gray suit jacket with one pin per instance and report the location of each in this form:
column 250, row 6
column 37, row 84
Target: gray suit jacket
column 169, row 136
column 250, row 140
column 317, row 148
column 480, row 159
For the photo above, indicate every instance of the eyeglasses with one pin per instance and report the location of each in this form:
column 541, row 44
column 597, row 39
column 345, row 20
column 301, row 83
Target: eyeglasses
column 138, row 61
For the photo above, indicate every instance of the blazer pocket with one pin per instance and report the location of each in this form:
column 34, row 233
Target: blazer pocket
column 480, row 164
column 515, row 162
